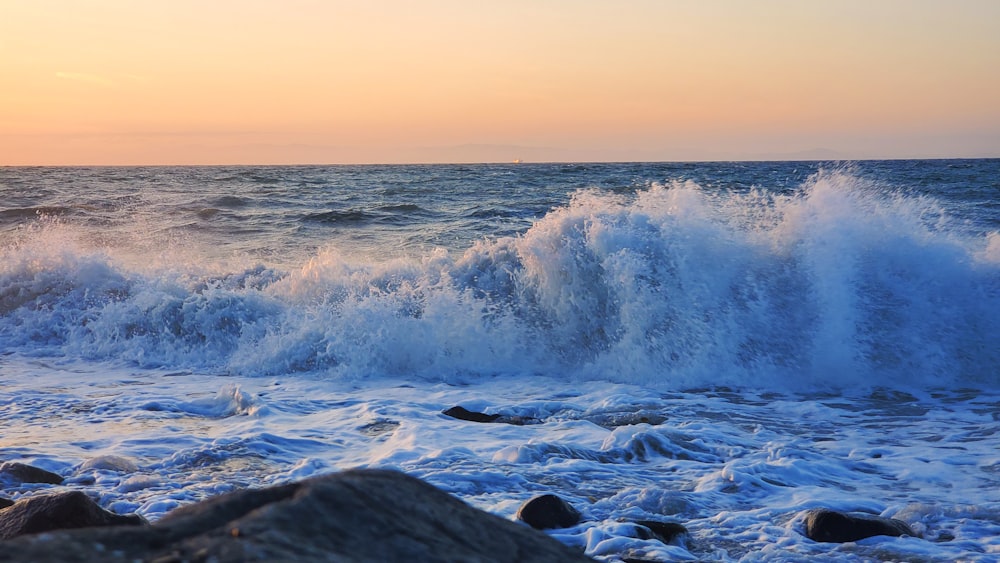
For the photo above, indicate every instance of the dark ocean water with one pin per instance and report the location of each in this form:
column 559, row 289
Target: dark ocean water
column 273, row 211
column 793, row 335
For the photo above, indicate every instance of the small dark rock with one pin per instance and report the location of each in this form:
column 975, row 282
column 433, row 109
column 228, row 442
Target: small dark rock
column 5, row 502
column 945, row 536
column 666, row 532
column 615, row 419
column 824, row 525
column 13, row 471
column 548, row 511
column 462, row 413
column 517, row 420
column 59, row 511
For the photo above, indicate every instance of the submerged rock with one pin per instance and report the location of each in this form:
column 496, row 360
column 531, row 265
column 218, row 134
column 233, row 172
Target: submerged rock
column 115, row 463
column 360, row 515
column 824, row 525
column 666, row 532
column 379, row 428
column 548, row 511
column 613, row 419
column 59, row 511
column 16, row 472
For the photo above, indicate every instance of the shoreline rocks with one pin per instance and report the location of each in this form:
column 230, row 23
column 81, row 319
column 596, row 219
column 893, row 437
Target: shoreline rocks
column 360, row 515
column 666, row 532
column 59, row 511
column 356, row 515
column 17, row 472
column 462, row 413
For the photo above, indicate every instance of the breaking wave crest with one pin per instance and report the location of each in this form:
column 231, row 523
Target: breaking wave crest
column 840, row 283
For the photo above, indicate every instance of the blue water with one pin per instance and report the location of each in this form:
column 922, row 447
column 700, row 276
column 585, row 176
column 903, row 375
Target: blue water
column 259, row 322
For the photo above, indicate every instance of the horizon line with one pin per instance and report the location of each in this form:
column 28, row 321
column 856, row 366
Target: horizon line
column 518, row 162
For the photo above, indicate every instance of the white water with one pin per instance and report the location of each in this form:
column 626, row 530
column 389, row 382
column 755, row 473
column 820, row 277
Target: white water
column 736, row 468
column 838, row 286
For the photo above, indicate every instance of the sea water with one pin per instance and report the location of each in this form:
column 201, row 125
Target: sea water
column 723, row 345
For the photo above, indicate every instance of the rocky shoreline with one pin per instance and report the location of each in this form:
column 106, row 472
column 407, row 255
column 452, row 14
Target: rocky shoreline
column 355, row 515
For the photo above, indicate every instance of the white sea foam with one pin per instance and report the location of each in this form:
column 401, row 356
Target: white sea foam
column 837, row 285
column 736, row 468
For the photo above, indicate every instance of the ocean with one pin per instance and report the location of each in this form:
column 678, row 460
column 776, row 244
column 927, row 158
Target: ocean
column 722, row 345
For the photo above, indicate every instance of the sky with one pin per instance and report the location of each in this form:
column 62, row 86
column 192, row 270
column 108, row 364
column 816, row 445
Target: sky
column 384, row 81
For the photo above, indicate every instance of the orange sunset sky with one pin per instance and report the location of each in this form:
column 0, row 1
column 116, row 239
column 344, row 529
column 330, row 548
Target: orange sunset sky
column 326, row 81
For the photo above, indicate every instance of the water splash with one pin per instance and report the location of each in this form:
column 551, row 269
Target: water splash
column 839, row 283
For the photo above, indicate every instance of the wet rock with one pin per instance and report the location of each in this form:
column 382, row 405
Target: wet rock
column 548, row 511
column 613, row 420
column 379, row 427
column 666, row 532
column 59, row 511
column 16, row 472
column 461, row 413
column 631, row 557
column 110, row 463
column 825, row 525
column 361, row 515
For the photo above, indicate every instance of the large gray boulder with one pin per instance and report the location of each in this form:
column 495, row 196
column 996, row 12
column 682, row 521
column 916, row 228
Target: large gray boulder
column 358, row 515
